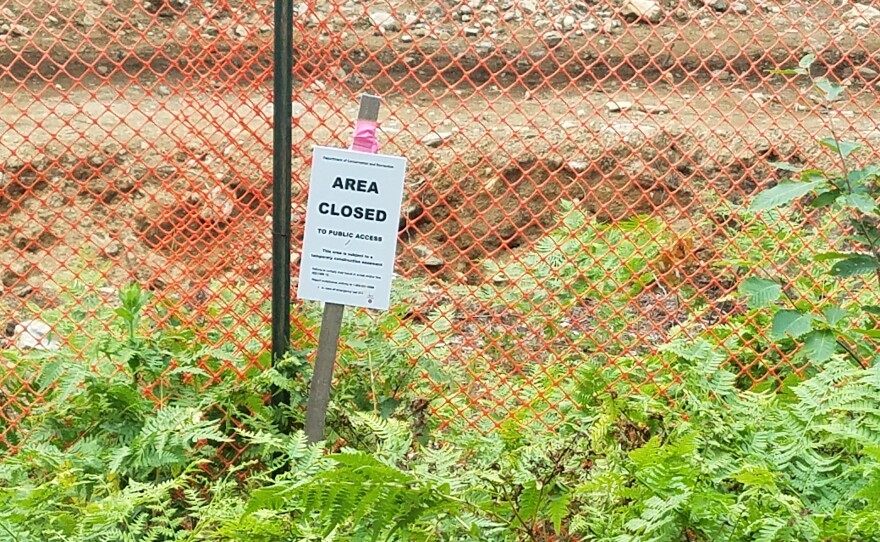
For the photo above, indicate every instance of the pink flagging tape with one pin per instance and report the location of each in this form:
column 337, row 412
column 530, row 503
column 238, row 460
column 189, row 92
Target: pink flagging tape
column 365, row 137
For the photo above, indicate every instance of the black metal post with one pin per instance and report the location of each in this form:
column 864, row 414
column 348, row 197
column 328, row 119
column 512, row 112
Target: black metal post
column 281, row 185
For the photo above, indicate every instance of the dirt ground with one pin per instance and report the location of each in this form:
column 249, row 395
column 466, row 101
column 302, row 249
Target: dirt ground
column 167, row 179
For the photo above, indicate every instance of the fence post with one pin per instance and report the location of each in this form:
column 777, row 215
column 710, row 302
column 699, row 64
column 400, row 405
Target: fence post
column 281, row 185
column 331, row 321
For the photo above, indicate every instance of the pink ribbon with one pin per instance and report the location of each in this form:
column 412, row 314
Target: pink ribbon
column 365, row 137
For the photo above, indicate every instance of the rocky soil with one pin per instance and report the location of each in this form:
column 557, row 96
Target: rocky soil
column 138, row 136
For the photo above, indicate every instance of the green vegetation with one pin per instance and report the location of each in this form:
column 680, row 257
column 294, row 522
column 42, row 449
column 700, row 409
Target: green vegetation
column 761, row 426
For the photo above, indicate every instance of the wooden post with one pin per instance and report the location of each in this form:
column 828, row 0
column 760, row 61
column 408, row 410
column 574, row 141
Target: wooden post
column 331, row 321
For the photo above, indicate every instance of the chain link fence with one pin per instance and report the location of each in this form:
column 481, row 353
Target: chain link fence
column 575, row 170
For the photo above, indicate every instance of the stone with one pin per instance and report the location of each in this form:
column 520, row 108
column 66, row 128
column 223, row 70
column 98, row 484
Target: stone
column 484, row 48
column 718, row 5
column 218, row 207
column 411, row 19
column 475, row 4
column 529, row 7
column 435, row 139
column 552, row 38
column 473, row 31
column 578, row 166
column 609, row 25
column 465, row 10
column 384, row 21
column 656, row 109
column 740, row 8
column 618, row 106
column 590, row 26
column 866, row 73
column 861, row 15
column 567, row 23
column 510, row 16
column 163, row 90
column 18, row 30
column 427, row 256
column 35, row 335
column 642, row 10
column 406, row 38
column 721, row 75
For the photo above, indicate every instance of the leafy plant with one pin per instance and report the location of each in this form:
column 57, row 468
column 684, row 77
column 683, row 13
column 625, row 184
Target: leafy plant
column 844, row 321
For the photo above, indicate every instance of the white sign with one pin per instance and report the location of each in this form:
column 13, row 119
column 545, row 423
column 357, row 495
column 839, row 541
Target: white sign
column 351, row 228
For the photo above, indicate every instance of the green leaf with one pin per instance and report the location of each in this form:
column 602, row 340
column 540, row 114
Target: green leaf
column 825, row 256
column 825, row 199
column 843, row 148
column 782, row 194
column 872, row 309
column 807, row 60
column 862, row 202
column 789, row 323
column 788, row 71
column 557, row 511
column 855, row 264
column 760, row 292
column 787, row 166
column 832, row 91
column 820, row 345
column 859, row 176
column 873, row 333
column 834, row 314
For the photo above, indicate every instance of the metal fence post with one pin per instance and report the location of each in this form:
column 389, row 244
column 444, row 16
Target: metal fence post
column 281, row 185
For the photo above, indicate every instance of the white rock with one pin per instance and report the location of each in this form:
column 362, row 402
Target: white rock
column 384, row 21
column 861, row 15
column 529, row 7
column 618, row 106
column 435, row 139
column 566, row 24
column 552, row 38
column 643, row 10
column 609, row 25
column 411, row 19
column 718, row 5
column 34, row 334
column 219, row 206
column 578, row 166
column 740, row 8
column 484, row 47
column 427, row 256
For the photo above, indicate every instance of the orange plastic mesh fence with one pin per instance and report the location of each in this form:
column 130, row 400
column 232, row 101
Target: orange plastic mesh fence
column 575, row 171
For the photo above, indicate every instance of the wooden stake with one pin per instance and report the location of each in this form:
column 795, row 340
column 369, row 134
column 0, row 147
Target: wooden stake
column 331, row 325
